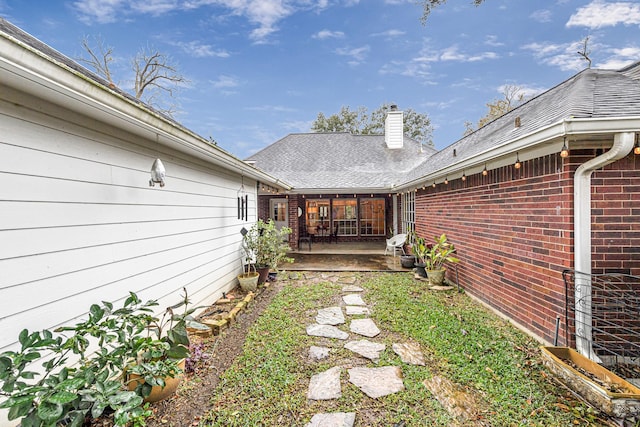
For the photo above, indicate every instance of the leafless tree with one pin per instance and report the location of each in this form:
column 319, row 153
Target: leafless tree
column 586, row 52
column 155, row 77
column 512, row 97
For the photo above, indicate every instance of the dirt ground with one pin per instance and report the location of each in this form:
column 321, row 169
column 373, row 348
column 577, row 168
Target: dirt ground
column 192, row 400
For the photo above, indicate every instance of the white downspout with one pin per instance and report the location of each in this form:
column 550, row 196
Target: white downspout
column 622, row 145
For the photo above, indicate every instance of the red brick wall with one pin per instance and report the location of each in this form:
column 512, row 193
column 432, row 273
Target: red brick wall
column 513, row 231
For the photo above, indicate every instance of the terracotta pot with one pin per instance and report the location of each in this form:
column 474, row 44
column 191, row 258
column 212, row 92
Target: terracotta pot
column 158, row 393
column 436, row 277
column 249, row 281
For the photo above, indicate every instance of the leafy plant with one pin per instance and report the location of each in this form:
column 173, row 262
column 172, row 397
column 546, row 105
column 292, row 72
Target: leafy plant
column 267, row 244
column 81, row 373
column 434, row 255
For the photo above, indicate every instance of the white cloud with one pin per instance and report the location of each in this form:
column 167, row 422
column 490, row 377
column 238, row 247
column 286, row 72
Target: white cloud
column 492, row 40
column 102, row 11
column 620, row 58
column 542, row 15
column 452, row 53
column 200, row 50
column 527, row 91
column 357, row 54
column 562, row 55
column 598, row 14
column 328, row 34
column 225, row 82
column 390, row 33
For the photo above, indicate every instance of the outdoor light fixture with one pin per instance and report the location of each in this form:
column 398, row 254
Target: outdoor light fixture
column 565, row 150
column 485, row 172
column 464, row 177
column 434, row 184
column 636, row 149
column 157, row 173
column 517, row 163
column 446, row 181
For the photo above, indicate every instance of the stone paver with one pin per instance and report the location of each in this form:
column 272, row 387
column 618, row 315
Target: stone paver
column 353, row 299
column 336, row 419
column 454, row 398
column 365, row 327
column 330, row 316
column 366, row 348
column 377, row 382
column 356, row 309
column 325, row 385
column 326, row 331
column 352, row 288
column 409, row 353
column 318, row 353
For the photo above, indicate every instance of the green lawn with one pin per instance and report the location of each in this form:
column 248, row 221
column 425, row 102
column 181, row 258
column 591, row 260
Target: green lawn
column 462, row 341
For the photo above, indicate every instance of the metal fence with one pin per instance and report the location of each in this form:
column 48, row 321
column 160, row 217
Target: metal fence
column 612, row 304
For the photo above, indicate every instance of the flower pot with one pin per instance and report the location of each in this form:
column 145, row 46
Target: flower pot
column 249, row 281
column 264, row 273
column 436, row 277
column 157, row 393
column 420, row 271
column 407, row 261
column 594, row 383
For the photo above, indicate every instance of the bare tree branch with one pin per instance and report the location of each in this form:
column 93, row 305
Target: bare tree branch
column 586, row 52
column 99, row 60
column 428, row 5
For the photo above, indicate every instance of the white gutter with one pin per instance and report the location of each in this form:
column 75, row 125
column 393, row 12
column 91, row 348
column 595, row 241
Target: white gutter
column 622, row 145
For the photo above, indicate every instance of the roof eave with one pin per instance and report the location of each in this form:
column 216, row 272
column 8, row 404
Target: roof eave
column 541, row 142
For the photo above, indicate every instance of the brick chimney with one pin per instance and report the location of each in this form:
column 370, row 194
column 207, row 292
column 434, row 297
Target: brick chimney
column 393, row 128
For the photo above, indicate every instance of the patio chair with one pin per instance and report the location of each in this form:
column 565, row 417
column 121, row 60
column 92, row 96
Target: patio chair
column 334, row 236
column 396, row 242
column 304, row 237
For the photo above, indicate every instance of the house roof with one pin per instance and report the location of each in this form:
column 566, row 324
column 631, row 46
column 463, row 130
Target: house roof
column 340, row 161
column 590, row 106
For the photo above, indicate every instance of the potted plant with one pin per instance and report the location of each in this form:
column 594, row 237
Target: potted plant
column 408, row 259
column 268, row 245
column 106, row 347
column 435, row 255
column 420, row 249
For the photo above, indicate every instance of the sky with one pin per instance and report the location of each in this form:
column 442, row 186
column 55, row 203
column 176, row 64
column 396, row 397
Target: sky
column 258, row 70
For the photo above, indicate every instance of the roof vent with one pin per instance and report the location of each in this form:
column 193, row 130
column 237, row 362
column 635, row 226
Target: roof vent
column 518, row 123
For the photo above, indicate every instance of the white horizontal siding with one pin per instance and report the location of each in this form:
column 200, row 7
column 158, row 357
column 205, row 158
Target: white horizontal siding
column 79, row 223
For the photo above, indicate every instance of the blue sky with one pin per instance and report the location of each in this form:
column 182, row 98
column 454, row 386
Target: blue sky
column 261, row 69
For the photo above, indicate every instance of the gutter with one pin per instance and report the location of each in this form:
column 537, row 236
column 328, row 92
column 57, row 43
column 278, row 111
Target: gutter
column 622, row 145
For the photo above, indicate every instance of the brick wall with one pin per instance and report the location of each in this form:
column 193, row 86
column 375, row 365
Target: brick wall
column 513, row 230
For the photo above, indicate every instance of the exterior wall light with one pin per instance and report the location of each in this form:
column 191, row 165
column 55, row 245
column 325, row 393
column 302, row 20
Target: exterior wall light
column 446, row 181
column 485, row 172
column 636, row 149
column 434, row 184
column 517, row 164
column 158, row 173
column 565, row 150
column 464, row 177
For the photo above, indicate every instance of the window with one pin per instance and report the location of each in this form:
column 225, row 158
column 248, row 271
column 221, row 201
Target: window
column 408, row 212
column 278, row 210
column 372, row 217
column 345, row 214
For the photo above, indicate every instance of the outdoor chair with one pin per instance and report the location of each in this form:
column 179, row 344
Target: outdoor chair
column 304, row 237
column 396, row 242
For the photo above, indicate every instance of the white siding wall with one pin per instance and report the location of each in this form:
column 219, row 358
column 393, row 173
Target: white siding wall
column 79, row 223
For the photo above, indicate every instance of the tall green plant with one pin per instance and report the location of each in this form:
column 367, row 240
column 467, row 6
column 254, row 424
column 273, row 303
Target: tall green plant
column 435, row 254
column 268, row 244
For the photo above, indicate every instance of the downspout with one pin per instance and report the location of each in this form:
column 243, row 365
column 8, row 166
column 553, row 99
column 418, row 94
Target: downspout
column 622, row 145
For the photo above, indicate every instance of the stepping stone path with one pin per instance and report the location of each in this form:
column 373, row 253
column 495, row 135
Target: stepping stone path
column 373, row 382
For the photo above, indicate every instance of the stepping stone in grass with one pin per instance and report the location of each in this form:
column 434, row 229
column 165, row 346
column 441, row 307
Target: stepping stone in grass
column 353, row 299
column 336, row 419
column 330, row 316
column 318, row 353
column 409, row 353
column 326, row 331
column 325, row 385
column 366, row 348
column 364, row 327
column 356, row 309
column 377, row 382
column 352, row 288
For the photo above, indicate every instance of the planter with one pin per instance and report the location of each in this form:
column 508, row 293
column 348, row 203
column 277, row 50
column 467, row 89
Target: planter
column 157, row 393
column 407, row 261
column 420, row 271
column 596, row 384
column 248, row 281
column 436, row 277
column 273, row 276
column 264, row 274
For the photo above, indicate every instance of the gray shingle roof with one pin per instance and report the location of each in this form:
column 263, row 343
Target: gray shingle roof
column 340, row 160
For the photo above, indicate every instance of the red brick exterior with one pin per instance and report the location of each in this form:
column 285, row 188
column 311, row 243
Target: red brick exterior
column 513, row 230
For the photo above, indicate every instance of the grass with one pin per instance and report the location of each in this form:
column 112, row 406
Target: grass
column 462, row 341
